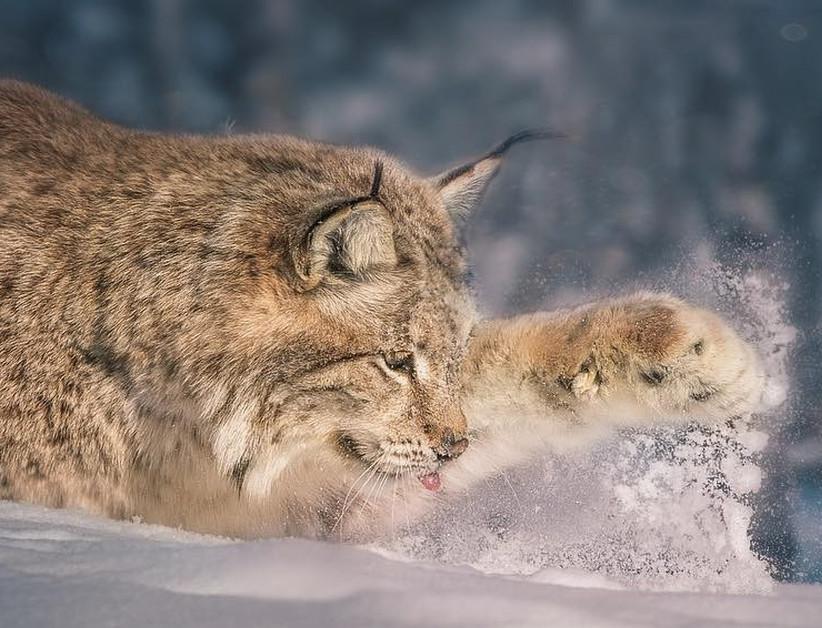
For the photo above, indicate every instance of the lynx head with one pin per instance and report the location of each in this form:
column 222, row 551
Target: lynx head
column 343, row 283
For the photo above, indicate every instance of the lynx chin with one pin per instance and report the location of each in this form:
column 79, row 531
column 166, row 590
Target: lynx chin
column 263, row 335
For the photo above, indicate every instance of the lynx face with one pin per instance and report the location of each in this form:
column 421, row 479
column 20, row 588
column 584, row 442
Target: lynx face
column 380, row 377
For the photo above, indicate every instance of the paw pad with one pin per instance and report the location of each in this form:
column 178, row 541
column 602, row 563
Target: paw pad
column 655, row 375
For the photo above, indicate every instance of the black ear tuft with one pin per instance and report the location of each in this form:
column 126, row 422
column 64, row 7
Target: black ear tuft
column 526, row 135
column 462, row 187
column 376, row 182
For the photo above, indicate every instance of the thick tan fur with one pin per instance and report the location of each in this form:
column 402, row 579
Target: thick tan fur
column 239, row 334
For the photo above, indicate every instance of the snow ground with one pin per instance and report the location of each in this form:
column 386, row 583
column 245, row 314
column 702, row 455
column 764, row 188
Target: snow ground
column 60, row 568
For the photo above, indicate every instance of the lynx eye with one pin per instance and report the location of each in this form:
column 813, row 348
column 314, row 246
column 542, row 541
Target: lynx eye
column 400, row 361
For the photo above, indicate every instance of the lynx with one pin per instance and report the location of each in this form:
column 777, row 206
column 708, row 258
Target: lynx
column 237, row 334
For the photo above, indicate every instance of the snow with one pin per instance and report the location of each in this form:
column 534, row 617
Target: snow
column 60, row 568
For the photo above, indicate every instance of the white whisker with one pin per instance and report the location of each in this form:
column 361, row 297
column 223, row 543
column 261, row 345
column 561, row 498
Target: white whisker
column 346, row 503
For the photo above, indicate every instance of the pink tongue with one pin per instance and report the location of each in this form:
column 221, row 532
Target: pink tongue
column 431, row 481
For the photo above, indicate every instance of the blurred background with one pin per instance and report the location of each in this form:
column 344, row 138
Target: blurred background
column 696, row 135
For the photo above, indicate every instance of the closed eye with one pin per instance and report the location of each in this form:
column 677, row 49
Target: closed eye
column 400, row 361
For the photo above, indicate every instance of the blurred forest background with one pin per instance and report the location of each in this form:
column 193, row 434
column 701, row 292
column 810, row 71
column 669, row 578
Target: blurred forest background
column 697, row 134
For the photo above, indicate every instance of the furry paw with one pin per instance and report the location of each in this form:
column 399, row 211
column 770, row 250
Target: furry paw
column 673, row 358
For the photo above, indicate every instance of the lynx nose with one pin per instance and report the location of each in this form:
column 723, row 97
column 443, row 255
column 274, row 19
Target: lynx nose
column 452, row 445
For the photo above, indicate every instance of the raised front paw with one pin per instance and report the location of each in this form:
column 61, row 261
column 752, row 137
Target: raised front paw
column 671, row 357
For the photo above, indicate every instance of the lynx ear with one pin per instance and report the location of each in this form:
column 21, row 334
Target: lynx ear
column 350, row 241
column 462, row 187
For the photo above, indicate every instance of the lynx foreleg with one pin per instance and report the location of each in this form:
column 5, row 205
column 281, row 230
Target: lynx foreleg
column 632, row 361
